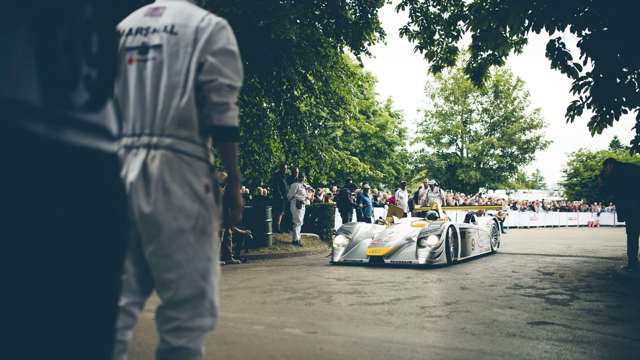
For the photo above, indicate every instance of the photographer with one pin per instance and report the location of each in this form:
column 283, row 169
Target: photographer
column 345, row 202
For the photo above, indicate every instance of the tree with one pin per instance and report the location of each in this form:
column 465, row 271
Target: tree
column 522, row 180
column 478, row 136
column 605, row 77
column 581, row 174
column 299, row 86
column 369, row 141
column 349, row 133
column 616, row 144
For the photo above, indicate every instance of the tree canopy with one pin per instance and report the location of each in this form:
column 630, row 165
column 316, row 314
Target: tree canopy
column 477, row 136
column 304, row 101
column 522, row 180
column 616, row 145
column 605, row 76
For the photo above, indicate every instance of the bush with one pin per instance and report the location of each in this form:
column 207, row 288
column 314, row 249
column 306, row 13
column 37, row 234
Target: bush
column 320, row 219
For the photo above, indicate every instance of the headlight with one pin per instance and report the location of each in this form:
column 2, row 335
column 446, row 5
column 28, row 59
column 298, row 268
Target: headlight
column 340, row 241
column 430, row 241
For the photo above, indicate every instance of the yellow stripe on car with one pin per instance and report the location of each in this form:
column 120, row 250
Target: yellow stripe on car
column 419, row 224
column 378, row 251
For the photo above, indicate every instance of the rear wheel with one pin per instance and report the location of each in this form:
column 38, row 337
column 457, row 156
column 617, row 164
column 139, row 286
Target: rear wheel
column 451, row 245
column 494, row 237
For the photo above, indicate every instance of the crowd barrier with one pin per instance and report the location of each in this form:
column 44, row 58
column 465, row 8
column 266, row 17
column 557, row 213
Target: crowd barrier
column 518, row 219
column 528, row 219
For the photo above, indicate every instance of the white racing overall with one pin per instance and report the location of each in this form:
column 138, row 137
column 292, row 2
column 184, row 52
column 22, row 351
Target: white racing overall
column 297, row 192
column 179, row 82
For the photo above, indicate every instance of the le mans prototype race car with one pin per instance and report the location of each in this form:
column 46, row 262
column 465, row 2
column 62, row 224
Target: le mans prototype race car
column 426, row 239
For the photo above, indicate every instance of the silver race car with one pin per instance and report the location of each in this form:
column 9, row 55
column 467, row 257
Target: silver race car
column 426, row 239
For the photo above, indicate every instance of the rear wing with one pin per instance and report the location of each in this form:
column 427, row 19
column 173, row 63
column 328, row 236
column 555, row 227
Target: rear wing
column 396, row 211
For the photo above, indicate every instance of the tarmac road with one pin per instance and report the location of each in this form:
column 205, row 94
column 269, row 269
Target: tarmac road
column 548, row 294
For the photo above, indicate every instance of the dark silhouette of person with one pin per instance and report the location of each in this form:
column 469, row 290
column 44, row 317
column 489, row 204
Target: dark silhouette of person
column 621, row 182
column 345, row 201
column 279, row 189
column 64, row 206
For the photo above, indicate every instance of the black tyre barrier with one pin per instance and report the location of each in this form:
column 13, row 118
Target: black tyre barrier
column 259, row 220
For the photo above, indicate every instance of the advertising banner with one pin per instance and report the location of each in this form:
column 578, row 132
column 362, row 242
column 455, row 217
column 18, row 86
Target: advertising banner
column 528, row 219
column 552, row 219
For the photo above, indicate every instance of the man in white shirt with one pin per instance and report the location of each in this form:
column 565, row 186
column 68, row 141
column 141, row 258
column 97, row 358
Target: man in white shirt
column 177, row 90
column 422, row 192
column 402, row 197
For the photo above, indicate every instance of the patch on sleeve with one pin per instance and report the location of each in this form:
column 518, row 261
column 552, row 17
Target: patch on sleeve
column 155, row 11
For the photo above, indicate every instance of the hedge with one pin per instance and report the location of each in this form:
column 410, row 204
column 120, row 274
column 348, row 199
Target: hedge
column 320, row 219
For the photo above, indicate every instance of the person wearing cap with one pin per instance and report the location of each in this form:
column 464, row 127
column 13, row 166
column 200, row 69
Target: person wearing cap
column 434, row 194
column 345, row 202
column 297, row 196
column 365, row 204
column 402, row 197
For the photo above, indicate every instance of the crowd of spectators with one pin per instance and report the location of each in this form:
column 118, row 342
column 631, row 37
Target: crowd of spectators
column 381, row 198
column 561, row 206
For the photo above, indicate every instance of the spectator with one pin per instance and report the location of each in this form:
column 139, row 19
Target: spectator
column 328, row 198
column 412, row 204
column 434, row 194
column 391, row 200
column 379, row 199
column 318, row 196
column 297, row 196
column 310, row 195
column 502, row 216
column 345, row 202
column 364, row 204
column 293, row 176
column 415, row 199
column 246, row 195
column 422, row 193
column 402, row 198
column 260, row 197
column 279, row 190
column 226, row 247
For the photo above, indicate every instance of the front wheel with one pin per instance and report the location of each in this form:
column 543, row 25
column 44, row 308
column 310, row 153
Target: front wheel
column 494, row 237
column 451, row 245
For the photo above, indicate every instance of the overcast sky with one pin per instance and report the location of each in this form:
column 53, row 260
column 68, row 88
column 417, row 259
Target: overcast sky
column 402, row 75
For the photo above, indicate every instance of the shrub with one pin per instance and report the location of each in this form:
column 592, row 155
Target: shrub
column 320, row 219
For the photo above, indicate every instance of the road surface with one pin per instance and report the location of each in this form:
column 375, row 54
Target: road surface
column 548, row 294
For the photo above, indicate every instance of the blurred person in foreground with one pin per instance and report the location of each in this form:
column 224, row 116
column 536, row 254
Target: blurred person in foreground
column 621, row 181
column 64, row 206
column 178, row 86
